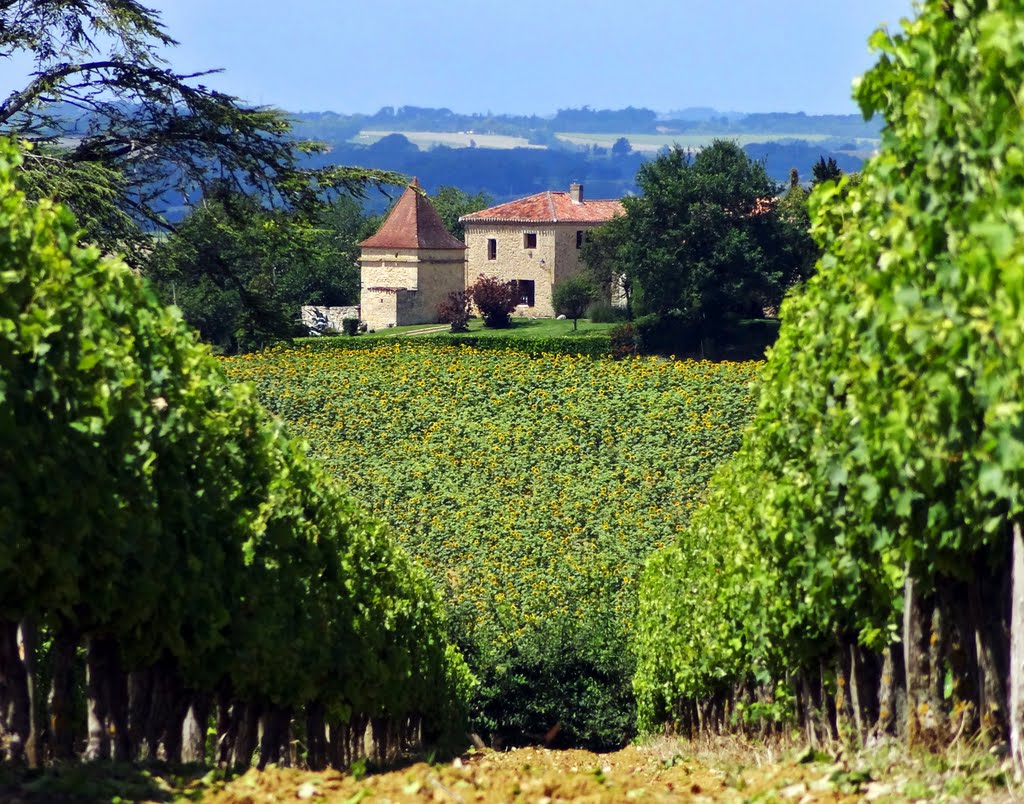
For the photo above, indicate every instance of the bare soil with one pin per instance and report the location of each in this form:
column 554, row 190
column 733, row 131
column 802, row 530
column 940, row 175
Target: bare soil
column 638, row 773
column 724, row 769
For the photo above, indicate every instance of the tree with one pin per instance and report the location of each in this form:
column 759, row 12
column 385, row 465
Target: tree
column 240, row 272
column 156, row 515
column 121, row 137
column 606, row 260
column 621, row 147
column 455, row 311
column 799, row 249
column 825, row 171
column 704, row 239
column 572, row 296
column 452, row 203
column 495, row 300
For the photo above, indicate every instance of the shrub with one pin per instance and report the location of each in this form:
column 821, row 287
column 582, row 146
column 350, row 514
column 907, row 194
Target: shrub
column 624, row 341
column 572, row 296
column 586, row 345
column 601, row 312
column 495, row 300
column 350, row 326
column 455, row 311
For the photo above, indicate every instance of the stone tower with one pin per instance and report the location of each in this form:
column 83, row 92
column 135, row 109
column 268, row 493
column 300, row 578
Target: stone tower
column 410, row 265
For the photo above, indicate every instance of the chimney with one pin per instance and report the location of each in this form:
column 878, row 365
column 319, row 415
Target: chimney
column 576, row 192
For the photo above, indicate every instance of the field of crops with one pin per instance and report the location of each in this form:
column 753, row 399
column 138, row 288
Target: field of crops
column 532, row 489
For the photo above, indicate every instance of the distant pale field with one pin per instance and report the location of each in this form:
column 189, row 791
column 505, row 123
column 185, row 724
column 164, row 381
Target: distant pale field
column 428, row 139
column 641, row 142
column 655, row 142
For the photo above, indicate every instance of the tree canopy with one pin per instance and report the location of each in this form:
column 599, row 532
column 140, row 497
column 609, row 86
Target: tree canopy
column 452, row 203
column 121, row 137
column 704, row 241
column 826, row 170
column 240, row 272
column 572, row 296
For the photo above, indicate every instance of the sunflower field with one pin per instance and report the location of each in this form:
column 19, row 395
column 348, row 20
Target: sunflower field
column 531, row 488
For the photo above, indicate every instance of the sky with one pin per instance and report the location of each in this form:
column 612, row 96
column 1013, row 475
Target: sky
column 531, row 56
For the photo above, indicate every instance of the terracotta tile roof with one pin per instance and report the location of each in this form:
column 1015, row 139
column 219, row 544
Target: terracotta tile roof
column 413, row 223
column 548, row 207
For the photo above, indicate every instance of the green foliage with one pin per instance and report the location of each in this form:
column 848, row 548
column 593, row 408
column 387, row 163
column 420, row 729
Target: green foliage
column 495, row 299
column 703, row 241
column 532, row 489
column 571, row 297
column 101, row 98
column 607, row 260
column 888, row 436
column 600, row 312
column 452, row 203
column 624, row 341
column 826, row 171
column 455, row 311
column 148, row 501
column 240, row 271
column 583, row 345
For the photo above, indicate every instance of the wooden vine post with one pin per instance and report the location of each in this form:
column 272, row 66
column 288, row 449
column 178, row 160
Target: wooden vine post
column 1017, row 653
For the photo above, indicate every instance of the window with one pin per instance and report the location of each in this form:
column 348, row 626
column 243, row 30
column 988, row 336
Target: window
column 529, row 240
column 579, row 238
column 525, row 291
column 492, row 248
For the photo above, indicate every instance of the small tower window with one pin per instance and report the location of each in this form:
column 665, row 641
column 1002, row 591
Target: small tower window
column 529, row 240
column 492, row 248
column 579, row 238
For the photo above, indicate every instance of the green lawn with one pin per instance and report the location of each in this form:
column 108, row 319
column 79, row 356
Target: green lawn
column 523, row 328
column 540, row 328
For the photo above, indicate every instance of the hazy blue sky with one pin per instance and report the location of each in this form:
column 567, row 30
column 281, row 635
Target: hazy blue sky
column 532, row 55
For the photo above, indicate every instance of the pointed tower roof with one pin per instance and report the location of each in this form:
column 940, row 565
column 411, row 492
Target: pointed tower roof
column 413, row 223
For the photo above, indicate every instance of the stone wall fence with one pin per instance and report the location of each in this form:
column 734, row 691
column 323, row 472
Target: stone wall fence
column 314, row 316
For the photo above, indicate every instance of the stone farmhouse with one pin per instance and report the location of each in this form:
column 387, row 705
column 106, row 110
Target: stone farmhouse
column 534, row 242
column 411, row 264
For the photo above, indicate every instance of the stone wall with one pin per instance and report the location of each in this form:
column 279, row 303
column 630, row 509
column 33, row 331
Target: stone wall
column 379, row 308
column 567, row 256
column 436, row 280
column 397, row 268
column 333, row 315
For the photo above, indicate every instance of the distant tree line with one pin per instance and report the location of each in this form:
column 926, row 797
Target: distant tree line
column 630, row 120
column 506, row 174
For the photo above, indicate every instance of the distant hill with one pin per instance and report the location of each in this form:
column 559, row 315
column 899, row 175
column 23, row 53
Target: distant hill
column 487, row 152
column 334, row 126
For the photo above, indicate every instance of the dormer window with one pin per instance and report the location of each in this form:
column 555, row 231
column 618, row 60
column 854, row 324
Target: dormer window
column 529, row 240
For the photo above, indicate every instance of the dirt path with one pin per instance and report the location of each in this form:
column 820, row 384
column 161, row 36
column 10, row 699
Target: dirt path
column 429, row 330
column 727, row 769
column 541, row 776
